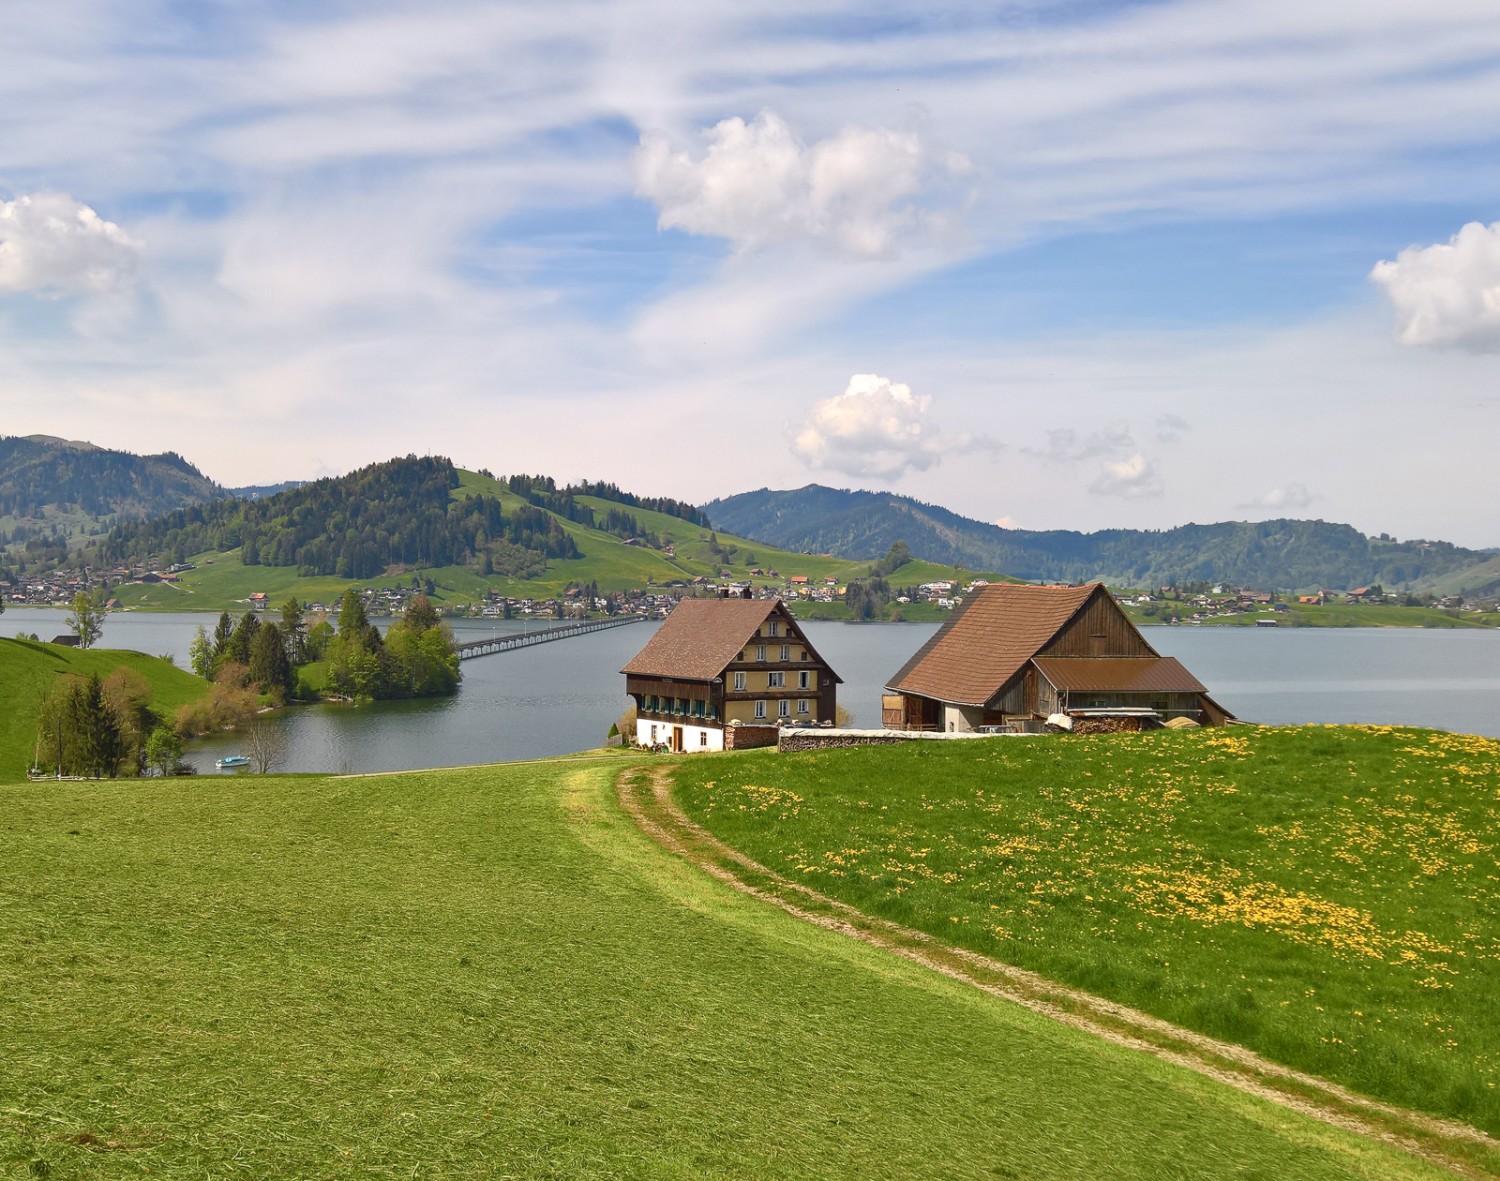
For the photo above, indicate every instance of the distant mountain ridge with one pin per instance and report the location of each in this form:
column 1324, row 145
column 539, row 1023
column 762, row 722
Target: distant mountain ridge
column 59, row 486
column 1280, row 554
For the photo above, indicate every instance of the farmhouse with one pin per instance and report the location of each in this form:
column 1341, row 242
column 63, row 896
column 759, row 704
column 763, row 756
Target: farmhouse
column 719, row 662
column 1012, row 656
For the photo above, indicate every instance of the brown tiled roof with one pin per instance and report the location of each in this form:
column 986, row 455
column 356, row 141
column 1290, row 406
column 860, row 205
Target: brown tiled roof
column 700, row 638
column 1119, row 674
column 991, row 636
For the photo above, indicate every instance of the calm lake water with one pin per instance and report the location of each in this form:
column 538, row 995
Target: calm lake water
column 562, row 697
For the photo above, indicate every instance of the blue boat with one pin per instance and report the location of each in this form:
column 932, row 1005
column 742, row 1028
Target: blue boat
column 230, row 761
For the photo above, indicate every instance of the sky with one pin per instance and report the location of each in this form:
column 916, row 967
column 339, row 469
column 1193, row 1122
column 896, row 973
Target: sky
column 1074, row 265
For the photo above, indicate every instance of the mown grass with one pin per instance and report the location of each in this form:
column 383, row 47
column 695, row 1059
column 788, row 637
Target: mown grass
column 28, row 670
column 1327, row 896
column 490, row 972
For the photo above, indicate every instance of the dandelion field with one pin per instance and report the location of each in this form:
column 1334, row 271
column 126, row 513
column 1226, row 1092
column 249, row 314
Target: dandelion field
column 1326, row 896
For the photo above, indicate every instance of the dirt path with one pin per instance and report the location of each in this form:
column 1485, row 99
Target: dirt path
column 646, row 795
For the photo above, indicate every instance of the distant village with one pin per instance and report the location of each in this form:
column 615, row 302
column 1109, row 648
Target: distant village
column 1182, row 604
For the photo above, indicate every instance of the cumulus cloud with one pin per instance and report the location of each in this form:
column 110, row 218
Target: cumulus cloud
column 876, row 427
column 1131, row 478
column 1066, row 445
column 858, row 191
column 1289, row 496
column 1447, row 295
column 51, row 244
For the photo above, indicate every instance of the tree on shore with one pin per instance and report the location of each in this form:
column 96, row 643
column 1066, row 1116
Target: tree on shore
column 267, row 743
column 87, row 619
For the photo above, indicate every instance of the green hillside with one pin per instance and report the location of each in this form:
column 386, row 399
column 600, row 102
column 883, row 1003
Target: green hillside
column 28, row 670
column 1323, row 895
column 493, row 973
column 54, row 491
column 221, row 580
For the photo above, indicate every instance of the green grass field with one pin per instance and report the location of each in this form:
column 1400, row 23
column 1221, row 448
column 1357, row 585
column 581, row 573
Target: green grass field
column 1337, row 615
column 493, row 973
column 27, row 670
column 1325, row 896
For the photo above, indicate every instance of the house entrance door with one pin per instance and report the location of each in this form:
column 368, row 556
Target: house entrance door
column 677, row 739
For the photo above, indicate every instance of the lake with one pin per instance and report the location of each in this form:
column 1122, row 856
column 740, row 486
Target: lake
column 562, row 697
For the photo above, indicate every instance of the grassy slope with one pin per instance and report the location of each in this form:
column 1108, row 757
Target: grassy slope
column 220, row 582
column 491, row 973
column 27, row 670
column 1326, row 896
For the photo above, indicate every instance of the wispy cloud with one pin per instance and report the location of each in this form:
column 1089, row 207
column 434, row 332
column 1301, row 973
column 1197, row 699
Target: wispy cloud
column 1286, row 497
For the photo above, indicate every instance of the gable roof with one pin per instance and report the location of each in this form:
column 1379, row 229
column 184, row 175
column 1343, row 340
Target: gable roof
column 1119, row 674
column 989, row 639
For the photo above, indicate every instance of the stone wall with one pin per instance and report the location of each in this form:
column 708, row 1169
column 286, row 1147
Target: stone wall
column 798, row 738
column 743, row 737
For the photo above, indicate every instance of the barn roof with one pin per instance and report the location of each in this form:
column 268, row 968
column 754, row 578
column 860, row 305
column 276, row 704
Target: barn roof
column 989, row 639
column 702, row 636
column 1119, row 674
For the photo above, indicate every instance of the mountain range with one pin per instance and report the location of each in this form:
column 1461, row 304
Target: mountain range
column 1279, row 554
column 55, row 494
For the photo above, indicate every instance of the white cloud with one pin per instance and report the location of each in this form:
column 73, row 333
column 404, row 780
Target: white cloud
column 858, row 191
column 1065, row 445
column 1448, row 295
column 876, row 427
column 51, row 244
column 1131, row 478
column 1288, row 496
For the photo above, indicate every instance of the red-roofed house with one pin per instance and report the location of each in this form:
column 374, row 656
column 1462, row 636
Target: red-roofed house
column 717, row 661
column 1022, row 653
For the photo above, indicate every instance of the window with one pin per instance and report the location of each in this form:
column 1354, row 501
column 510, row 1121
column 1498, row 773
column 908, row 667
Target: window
column 760, row 652
column 653, row 735
column 802, row 679
column 784, row 708
column 802, row 707
column 776, row 680
column 697, row 709
column 786, row 652
column 702, row 737
column 651, row 704
column 773, row 628
column 760, row 709
column 803, row 655
column 739, row 682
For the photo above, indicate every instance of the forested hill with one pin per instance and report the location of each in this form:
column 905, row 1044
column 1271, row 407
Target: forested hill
column 1280, row 554
column 402, row 513
column 49, row 485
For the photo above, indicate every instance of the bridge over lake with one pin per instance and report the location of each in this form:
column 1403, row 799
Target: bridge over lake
column 546, row 635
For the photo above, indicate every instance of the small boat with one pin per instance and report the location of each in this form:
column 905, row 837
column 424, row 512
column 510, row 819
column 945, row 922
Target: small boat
column 230, row 761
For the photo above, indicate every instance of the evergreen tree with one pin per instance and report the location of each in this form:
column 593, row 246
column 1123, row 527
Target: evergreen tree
column 270, row 669
column 242, row 640
column 294, row 632
column 222, row 632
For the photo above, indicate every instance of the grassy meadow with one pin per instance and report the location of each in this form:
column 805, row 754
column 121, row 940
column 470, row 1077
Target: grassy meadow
column 28, row 670
column 1327, row 896
column 492, row 973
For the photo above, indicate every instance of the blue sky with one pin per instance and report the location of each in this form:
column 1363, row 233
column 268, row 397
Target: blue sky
column 1058, row 265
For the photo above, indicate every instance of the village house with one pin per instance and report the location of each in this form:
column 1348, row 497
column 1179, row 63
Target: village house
column 1013, row 656
column 722, row 662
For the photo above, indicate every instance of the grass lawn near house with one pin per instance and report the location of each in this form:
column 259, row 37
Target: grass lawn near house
column 1327, row 896
column 28, row 670
column 491, row 972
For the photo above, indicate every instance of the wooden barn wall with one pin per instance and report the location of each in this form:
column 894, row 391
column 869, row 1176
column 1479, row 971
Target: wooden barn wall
column 1100, row 629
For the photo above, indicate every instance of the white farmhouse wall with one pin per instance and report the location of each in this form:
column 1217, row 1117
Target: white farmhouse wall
column 694, row 738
